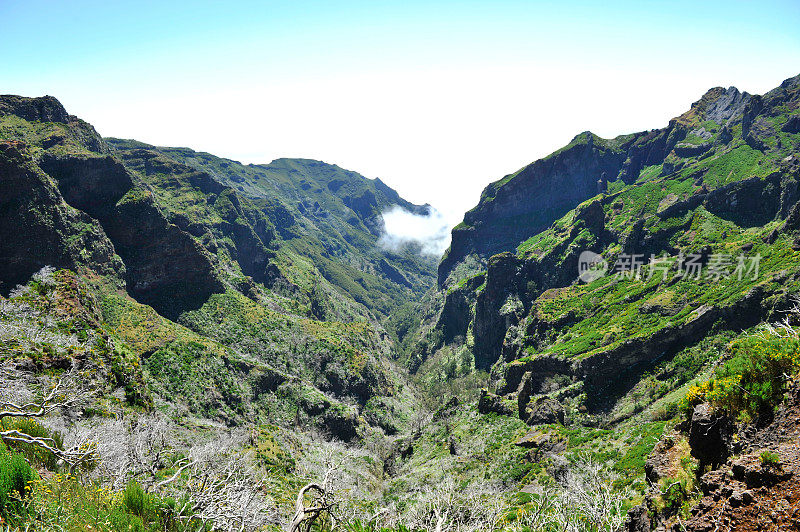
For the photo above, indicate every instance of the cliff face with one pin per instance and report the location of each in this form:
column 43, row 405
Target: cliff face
column 39, row 228
column 721, row 180
column 528, row 201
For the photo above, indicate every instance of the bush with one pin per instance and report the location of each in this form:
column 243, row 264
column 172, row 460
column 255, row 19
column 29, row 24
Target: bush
column 753, row 381
column 120, row 519
column 768, row 458
column 34, row 453
column 15, row 476
column 135, row 499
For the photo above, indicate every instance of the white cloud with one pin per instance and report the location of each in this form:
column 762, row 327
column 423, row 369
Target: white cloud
column 431, row 231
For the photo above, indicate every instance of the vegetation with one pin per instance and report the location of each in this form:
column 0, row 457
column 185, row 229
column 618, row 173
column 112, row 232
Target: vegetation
column 768, row 458
column 753, row 380
column 16, row 477
column 262, row 387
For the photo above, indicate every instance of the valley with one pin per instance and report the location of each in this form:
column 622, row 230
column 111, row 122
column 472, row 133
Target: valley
column 188, row 342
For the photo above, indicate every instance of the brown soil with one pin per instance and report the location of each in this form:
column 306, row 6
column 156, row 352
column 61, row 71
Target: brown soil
column 747, row 495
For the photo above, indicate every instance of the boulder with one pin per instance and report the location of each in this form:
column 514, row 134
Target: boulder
column 710, row 435
column 544, row 410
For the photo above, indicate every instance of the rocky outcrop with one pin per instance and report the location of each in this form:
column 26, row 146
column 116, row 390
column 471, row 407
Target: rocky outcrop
column 166, row 267
column 42, row 109
column 710, row 435
column 637, row 520
column 498, row 307
column 544, row 411
column 512, row 283
column 38, row 228
column 748, row 473
column 492, row 403
column 456, row 313
column 528, row 201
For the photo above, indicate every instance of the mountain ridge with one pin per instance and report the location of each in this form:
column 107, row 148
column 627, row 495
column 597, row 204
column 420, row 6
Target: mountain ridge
column 248, row 312
column 592, row 167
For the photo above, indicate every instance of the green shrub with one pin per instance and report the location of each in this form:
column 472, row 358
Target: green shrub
column 15, row 476
column 34, row 453
column 120, row 519
column 768, row 458
column 134, row 498
column 753, row 381
column 673, row 494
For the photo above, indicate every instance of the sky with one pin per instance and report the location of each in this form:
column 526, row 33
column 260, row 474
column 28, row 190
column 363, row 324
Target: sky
column 437, row 99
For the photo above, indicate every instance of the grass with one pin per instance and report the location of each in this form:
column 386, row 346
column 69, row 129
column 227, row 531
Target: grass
column 16, row 476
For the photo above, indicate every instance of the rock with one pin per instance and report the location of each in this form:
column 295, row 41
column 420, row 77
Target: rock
column 755, row 475
column 455, row 315
column 691, row 150
column 544, row 411
column 792, row 125
column 496, row 309
column 637, row 520
column 725, row 135
column 531, row 440
column 524, row 391
column 735, row 500
column 710, row 435
column 656, row 466
column 712, row 481
column 793, row 219
column 490, row 402
column 541, row 443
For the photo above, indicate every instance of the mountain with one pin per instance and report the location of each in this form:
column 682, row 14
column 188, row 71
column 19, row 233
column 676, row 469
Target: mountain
column 289, row 251
column 321, row 213
column 713, row 196
column 610, row 343
column 706, row 183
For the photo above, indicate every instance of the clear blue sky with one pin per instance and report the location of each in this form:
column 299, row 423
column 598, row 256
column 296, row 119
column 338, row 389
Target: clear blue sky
column 436, row 98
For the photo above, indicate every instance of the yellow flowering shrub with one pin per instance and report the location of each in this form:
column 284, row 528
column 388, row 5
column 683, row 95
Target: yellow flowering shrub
column 754, row 379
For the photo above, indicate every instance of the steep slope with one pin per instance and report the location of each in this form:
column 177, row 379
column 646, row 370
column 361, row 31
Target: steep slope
column 328, row 221
column 719, row 183
column 55, row 232
column 530, row 200
column 211, row 277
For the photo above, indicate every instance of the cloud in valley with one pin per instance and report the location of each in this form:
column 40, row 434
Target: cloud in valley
column 431, row 231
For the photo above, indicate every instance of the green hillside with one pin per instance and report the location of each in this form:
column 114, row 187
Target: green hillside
column 191, row 343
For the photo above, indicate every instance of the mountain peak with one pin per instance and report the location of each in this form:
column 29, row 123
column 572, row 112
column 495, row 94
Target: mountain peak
column 41, row 109
column 718, row 104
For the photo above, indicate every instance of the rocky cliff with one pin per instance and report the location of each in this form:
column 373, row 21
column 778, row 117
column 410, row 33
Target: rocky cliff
column 719, row 183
